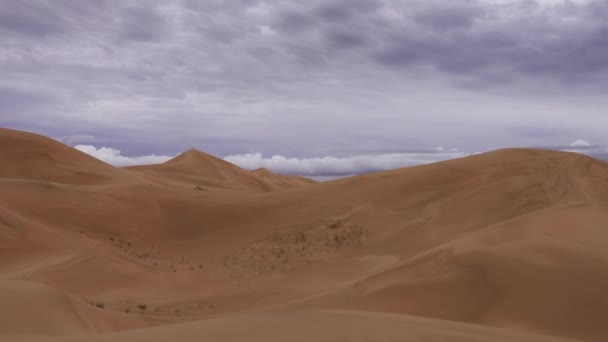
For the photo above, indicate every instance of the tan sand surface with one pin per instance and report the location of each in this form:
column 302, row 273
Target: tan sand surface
column 504, row 246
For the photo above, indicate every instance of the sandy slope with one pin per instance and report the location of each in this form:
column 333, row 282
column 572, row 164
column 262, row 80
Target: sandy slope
column 30, row 308
column 30, row 156
column 513, row 239
column 305, row 326
column 277, row 181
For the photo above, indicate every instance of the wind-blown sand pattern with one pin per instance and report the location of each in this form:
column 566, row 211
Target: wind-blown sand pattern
column 503, row 246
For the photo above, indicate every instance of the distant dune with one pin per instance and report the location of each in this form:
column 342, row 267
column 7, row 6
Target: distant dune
column 278, row 181
column 195, row 168
column 503, row 246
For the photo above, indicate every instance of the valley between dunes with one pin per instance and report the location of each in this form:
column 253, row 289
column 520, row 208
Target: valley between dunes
column 504, row 246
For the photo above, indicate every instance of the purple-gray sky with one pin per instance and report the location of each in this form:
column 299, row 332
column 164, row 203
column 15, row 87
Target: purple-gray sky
column 330, row 87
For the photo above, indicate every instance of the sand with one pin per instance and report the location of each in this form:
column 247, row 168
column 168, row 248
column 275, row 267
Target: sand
column 503, row 246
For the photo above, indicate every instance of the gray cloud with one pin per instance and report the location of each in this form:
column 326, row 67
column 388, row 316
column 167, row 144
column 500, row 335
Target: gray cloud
column 346, row 10
column 26, row 19
column 37, row 20
column 143, row 24
column 521, row 36
column 77, row 139
column 15, row 101
column 341, row 39
column 454, row 15
column 300, row 78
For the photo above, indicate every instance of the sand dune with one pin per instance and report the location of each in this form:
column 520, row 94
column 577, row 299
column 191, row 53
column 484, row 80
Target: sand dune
column 503, row 246
column 30, row 156
column 532, row 273
column 196, row 169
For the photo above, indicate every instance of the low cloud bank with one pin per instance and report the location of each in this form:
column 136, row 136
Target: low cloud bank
column 329, row 167
column 581, row 146
column 587, row 148
column 581, row 143
column 114, row 157
column 334, row 166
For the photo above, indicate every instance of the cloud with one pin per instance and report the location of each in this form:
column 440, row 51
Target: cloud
column 581, row 143
column 113, row 156
column 472, row 37
column 143, row 24
column 329, row 167
column 157, row 76
column 579, row 146
column 583, row 146
column 16, row 101
column 339, row 166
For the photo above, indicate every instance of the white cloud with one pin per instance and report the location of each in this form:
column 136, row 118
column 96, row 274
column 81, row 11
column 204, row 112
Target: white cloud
column 331, row 166
column 585, row 147
column 113, row 156
column 581, row 143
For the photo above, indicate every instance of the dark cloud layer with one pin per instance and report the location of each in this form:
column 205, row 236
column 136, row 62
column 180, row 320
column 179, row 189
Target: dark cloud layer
column 304, row 77
column 561, row 40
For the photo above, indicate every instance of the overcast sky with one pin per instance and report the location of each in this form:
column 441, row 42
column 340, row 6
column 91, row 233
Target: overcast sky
column 317, row 87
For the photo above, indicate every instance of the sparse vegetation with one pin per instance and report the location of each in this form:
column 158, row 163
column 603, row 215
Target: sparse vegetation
column 97, row 304
column 335, row 224
column 151, row 256
column 196, row 308
column 295, row 246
